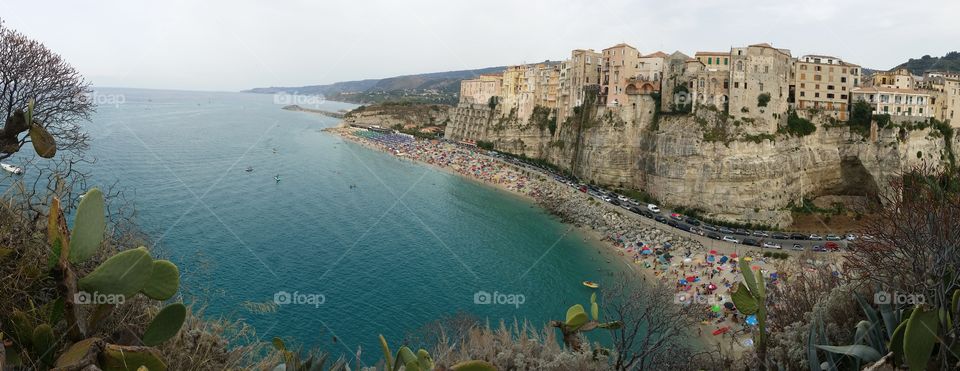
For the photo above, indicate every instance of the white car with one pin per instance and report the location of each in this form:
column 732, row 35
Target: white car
column 833, row 237
column 851, row 237
column 623, row 198
column 815, row 237
column 606, row 198
column 771, row 245
column 730, row 239
column 653, row 208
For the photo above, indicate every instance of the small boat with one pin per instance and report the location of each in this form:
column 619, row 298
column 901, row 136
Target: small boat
column 277, row 178
column 249, row 169
column 591, row 284
column 13, row 169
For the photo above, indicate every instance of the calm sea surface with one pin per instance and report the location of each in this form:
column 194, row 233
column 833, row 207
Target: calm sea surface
column 368, row 243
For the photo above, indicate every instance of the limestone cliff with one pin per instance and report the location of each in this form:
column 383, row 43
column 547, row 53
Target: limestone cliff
column 709, row 160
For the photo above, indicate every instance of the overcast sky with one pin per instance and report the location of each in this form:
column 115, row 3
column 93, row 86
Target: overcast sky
column 239, row 44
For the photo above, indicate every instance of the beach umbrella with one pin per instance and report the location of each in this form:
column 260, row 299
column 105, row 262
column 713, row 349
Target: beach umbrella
column 747, row 259
column 687, row 260
column 721, row 330
column 755, row 267
column 646, row 252
column 712, row 286
column 713, row 252
column 774, row 275
column 733, row 256
column 723, row 259
column 751, row 320
column 691, row 278
column 710, row 259
column 716, row 308
column 728, row 305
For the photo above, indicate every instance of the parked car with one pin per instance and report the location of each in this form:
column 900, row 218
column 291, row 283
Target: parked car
column 724, row 230
column 798, row 236
column 797, row 247
column 691, row 221
column 833, row 237
column 646, row 213
column 779, row 236
column 851, row 237
column 714, row 235
column 751, row 242
column 606, row 198
column 709, row 227
column 730, row 239
column 583, row 189
column 761, row 234
column 818, row 248
column 816, row 237
column 613, row 202
column 635, row 210
column 741, row 231
column 830, row 245
column 696, row 230
column 676, row 217
column 660, row 218
column 771, row 245
column 653, row 208
column 623, row 198
column 672, row 223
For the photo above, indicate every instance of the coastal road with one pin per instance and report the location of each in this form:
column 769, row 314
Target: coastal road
column 708, row 243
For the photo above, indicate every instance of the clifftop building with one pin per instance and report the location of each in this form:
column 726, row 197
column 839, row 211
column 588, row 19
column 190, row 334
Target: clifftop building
column 760, row 70
column 824, row 83
column 620, row 62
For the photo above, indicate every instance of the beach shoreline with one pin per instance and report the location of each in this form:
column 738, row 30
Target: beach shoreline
column 543, row 191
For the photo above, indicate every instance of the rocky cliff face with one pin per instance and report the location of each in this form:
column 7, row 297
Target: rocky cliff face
column 707, row 161
column 404, row 115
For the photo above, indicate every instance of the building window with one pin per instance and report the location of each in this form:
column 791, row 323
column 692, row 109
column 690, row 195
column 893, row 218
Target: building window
column 726, row 61
column 739, row 65
column 766, row 69
column 816, row 95
column 802, row 94
column 829, row 95
column 736, row 85
column 816, row 77
column 829, row 87
column 843, row 79
column 843, row 96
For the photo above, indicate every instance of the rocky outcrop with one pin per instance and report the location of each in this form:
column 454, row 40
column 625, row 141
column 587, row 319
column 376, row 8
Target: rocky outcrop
column 709, row 160
column 400, row 115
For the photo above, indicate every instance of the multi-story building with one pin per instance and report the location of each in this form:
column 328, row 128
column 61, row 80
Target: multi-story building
column 547, row 84
column 824, row 83
column 714, row 60
column 899, row 78
column 481, row 89
column 580, row 71
column 650, row 67
column 674, row 76
column 895, row 101
column 620, row 62
column 759, row 71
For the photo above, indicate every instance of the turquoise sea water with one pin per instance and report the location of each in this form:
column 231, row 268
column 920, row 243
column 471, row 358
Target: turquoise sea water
column 406, row 245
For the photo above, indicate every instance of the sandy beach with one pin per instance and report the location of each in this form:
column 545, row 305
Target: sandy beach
column 704, row 278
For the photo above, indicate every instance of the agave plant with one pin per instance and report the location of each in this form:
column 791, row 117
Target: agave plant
column 123, row 275
column 577, row 323
column 751, row 299
column 422, row 361
column 908, row 336
column 314, row 361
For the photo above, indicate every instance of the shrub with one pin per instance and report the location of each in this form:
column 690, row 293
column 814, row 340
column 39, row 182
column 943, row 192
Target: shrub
column 485, row 145
column 798, row 126
column 763, row 99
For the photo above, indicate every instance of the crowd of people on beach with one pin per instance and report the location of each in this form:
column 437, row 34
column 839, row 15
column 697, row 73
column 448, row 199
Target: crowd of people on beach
column 465, row 161
column 700, row 277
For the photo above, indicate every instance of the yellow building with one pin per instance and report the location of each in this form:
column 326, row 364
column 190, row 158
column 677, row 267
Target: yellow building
column 480, row 89
column 824, row 83
column 900, row 78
